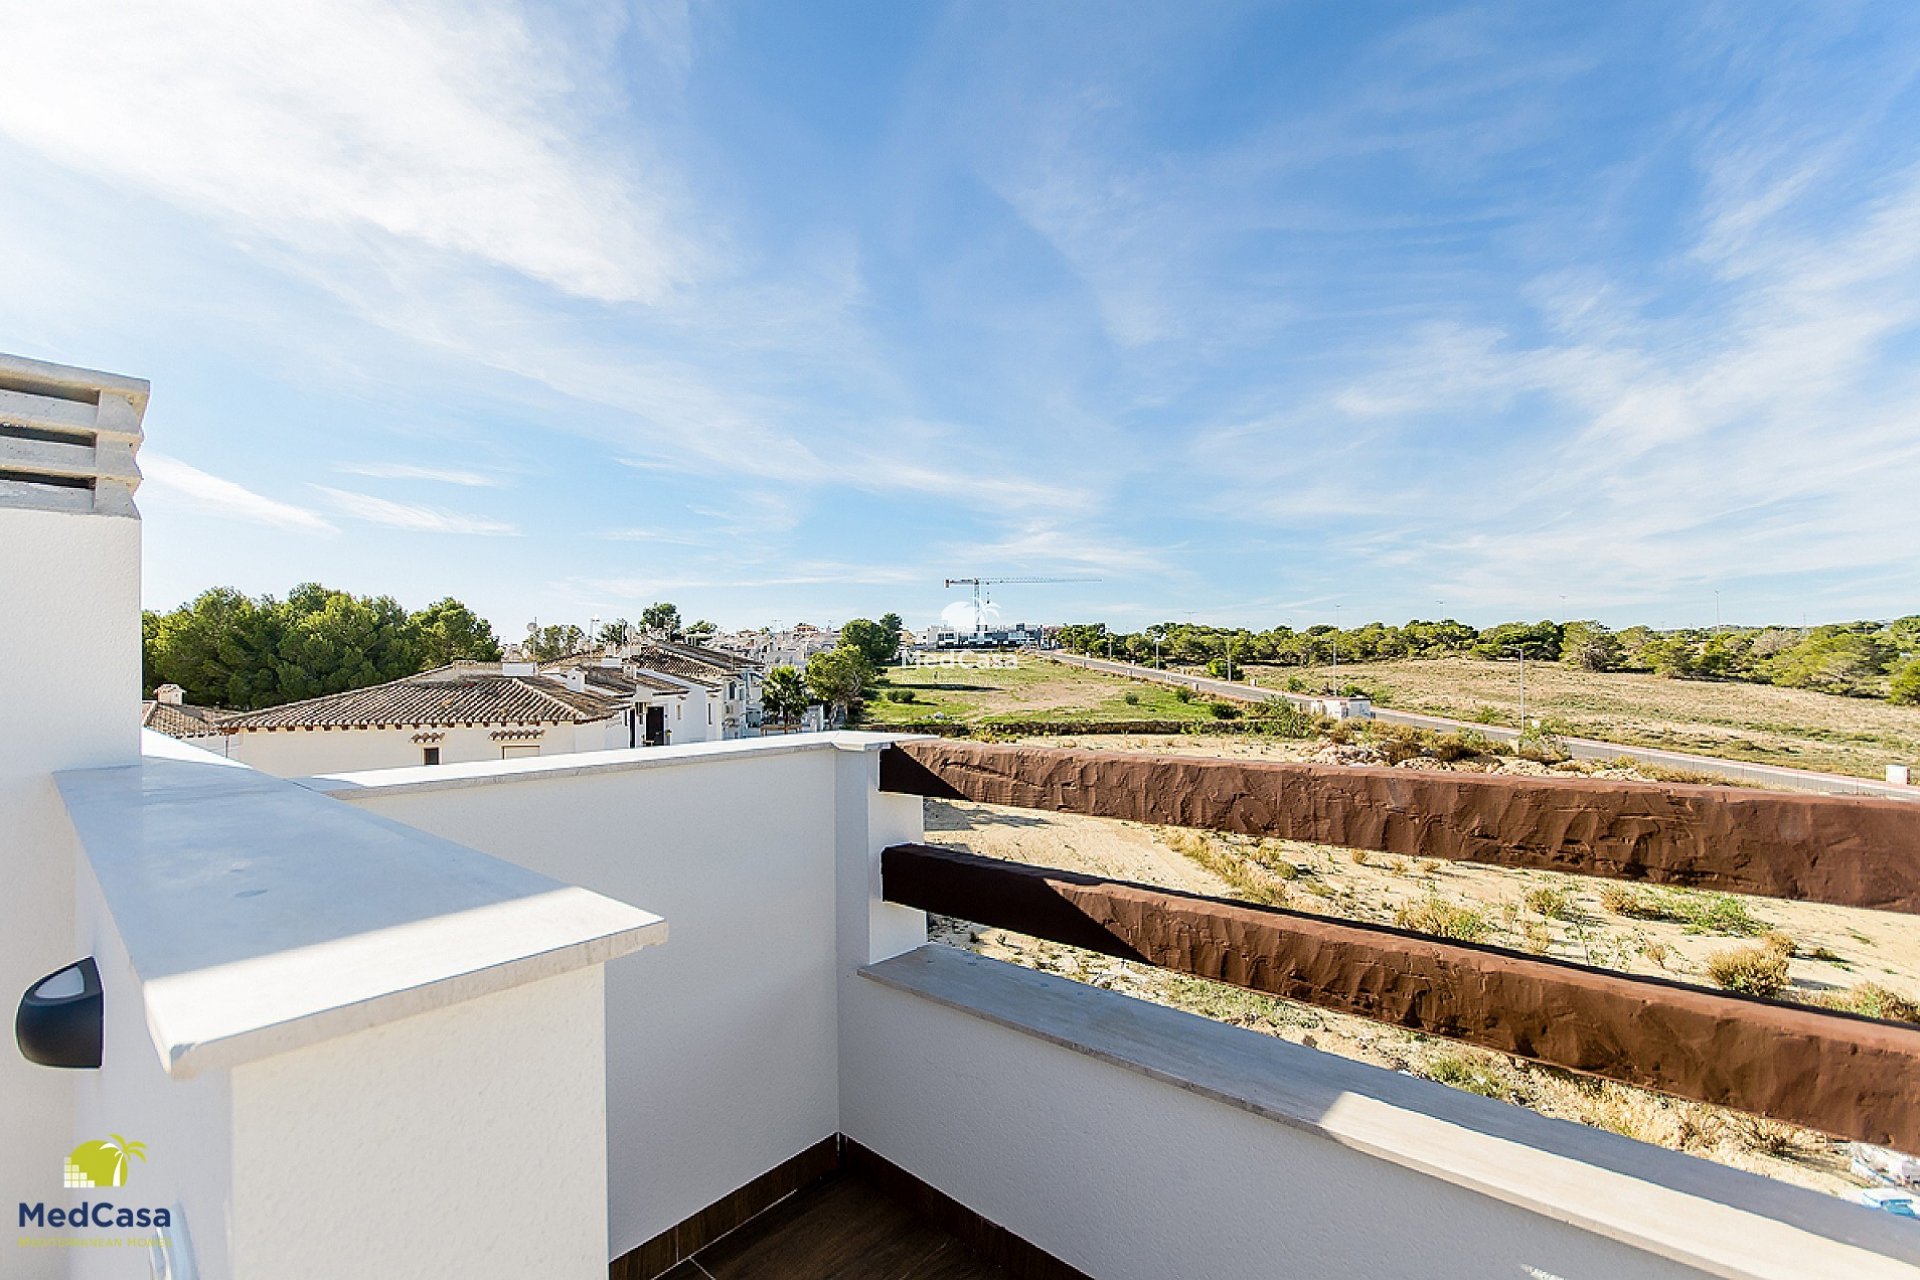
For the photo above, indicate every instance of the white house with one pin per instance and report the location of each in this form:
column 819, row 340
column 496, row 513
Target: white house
column 455, row 714
column 666, row 708
column 731, row 707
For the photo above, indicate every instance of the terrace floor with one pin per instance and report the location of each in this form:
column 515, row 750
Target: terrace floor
column 840, row 1228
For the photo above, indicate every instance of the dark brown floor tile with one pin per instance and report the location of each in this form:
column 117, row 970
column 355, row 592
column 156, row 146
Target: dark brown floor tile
column 838, row 1230
column 955, row 1263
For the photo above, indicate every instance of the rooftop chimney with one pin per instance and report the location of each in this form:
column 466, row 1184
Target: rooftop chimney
column 576, row 679
column 171, row 694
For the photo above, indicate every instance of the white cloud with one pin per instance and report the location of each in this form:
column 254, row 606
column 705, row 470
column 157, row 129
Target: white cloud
column 1046, row 548
column 406, row 471
column 171, row 483
column 401, row 515
column 460, row 130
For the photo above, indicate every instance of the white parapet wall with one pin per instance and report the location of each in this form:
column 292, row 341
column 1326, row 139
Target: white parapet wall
column 349, row 1048
column 723, row 1047
column 1130, row 1140
column 69, row 695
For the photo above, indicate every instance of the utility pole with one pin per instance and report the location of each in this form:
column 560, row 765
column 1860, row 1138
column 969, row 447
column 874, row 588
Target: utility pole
column 1336, row 651
column 1522, row 651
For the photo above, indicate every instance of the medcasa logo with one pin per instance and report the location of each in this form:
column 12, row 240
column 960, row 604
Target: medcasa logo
column 103, row 1163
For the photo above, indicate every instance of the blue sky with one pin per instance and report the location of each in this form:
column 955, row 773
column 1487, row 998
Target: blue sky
column 790, row 311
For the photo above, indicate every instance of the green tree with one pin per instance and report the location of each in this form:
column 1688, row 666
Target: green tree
column 555, row 641
column 661, row 621
column 617, row 632
column 701, row 631
column 220, row 648
column 1591, row 647
column 1539, row 640
column 447, row 631
column 1833, row 660
column 1904, row 689
column 784, row 694
column 1668, row 655
column 895, row 628
column 839, row 678
column 331, row 641
column 870, row 640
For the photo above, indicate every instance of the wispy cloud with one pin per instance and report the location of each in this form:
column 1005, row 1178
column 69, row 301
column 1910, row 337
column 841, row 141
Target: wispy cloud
column 171, row 483
column 402, row 515
column 458, row 128
column 407, row 471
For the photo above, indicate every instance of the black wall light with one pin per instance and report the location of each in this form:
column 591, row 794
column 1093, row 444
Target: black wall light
column 60, row 1017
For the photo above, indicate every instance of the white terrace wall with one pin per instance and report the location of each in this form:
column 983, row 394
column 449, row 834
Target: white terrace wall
column 722, row 1046
column 754, row 1033
column 1131, row 1178
column 448, row 1143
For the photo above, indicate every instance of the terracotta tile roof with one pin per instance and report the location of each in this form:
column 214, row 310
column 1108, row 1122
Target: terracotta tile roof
column 720, row 659
column 465, row 693
column 180, row 720
column 620, row 681
column 673, row 664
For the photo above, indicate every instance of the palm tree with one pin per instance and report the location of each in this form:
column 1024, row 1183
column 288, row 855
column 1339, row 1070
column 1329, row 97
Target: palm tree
column 784, row 694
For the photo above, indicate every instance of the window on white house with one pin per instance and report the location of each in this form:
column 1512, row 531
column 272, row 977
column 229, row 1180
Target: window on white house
column 709, row 713
column 520, row 751
column 430, row 755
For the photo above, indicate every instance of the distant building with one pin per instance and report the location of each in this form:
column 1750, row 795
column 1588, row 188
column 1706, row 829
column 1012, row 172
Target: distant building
column 732, row 707
column 170, row 713
column 1017, row 635
column 789, row 648
column 465, row 712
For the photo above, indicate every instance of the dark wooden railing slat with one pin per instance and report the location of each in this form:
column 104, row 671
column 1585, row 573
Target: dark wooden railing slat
column 1856, row 851
column 1848, row 1076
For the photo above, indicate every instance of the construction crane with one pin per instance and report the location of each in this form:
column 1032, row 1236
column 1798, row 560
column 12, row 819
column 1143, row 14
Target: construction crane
column 979, row 584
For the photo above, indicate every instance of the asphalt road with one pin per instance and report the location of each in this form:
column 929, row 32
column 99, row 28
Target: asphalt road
column 1766, row 775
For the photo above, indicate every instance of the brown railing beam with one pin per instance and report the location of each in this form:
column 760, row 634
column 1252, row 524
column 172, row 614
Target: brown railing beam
column 1856, row 851
column 1848, row 1076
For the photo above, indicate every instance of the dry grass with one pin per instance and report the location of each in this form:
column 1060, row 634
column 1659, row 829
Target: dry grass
column 1752, row 971
column 1250, row 880
column 1760, row 723
column 1035, row 690
column 1444, row 920
column 1872, row 1000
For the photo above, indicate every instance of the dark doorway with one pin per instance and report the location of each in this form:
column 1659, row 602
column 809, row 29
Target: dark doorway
column 656, row 727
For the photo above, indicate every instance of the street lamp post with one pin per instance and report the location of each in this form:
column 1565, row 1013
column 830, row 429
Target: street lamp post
column 1522, row 651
